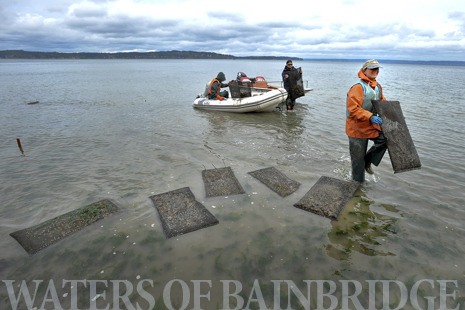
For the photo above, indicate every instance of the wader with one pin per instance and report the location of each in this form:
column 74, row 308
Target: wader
column 360, row 157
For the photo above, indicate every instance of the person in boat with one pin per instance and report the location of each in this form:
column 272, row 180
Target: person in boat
column 290, row 76
column 214, row 89
column 362, row 124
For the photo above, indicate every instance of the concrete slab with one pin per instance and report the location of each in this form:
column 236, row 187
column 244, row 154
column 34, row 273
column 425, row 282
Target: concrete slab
column 276, row 181
column 297, row 86
column 36, row 238
column 402, row 151
column 327, row 197
column 181, row 213
column 234, row 89
column 221, row 182
column 239, row 91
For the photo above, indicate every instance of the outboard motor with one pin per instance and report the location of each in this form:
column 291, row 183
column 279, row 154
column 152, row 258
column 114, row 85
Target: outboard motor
column 242, row 79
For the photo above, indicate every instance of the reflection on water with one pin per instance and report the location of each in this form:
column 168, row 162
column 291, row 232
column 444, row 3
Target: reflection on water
column 291, row 123
column 254, row 137
column 360, row 229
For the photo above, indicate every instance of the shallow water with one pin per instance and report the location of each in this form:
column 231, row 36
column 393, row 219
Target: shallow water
column 126, row 130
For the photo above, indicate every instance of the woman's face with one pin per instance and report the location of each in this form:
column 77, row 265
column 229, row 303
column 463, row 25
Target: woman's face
column 372, row 74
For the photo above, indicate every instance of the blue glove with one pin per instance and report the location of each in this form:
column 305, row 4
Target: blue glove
column 376, row 119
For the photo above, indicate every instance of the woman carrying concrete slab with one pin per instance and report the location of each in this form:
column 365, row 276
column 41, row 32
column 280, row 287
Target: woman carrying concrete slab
column 361, row 124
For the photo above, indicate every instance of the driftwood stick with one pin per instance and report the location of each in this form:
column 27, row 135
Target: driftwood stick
column 18, row 141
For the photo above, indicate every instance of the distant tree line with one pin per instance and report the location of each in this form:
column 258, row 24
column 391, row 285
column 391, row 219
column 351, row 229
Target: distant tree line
column 21, row 54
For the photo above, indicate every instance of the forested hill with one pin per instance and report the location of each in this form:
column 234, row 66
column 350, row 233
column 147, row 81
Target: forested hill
column 20, row 54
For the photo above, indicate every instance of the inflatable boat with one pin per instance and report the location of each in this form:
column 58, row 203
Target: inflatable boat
column 255, row 97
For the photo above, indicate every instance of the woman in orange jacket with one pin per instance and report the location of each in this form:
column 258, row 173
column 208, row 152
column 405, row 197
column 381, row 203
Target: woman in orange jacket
column 361, row 124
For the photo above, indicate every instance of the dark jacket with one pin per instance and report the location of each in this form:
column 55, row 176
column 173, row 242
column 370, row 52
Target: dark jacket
column 290, row 82
column 293, row 75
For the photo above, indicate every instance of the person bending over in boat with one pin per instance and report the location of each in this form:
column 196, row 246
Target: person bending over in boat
column 214, row 89
column 362, row 124
column 290, row 76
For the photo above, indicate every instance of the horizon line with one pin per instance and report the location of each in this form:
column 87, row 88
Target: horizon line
column 229, row 56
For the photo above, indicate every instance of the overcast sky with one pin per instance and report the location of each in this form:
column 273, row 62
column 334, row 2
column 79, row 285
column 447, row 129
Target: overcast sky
column 342, row 29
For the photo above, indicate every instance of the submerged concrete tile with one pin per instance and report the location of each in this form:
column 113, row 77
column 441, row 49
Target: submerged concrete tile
column 181, row 213
column 276, row 181
column 327, row 197
column 221, row 182
column 36, row 238
column 402, row 151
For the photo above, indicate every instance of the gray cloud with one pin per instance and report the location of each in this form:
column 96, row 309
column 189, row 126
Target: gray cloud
column 63, row 26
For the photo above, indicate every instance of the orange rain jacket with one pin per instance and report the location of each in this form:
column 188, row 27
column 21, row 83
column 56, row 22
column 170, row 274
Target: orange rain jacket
column 358, row 123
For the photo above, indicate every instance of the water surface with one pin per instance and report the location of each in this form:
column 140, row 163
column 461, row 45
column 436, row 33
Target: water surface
column 126, row 130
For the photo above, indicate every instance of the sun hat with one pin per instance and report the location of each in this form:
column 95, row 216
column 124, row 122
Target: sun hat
column 371, row 64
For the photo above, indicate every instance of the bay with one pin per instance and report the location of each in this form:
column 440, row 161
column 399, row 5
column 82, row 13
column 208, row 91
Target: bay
column 126, row 130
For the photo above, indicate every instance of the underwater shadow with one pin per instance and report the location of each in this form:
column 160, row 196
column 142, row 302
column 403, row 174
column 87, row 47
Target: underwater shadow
column 358, row 229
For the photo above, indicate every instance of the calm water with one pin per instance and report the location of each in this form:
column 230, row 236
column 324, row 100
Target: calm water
column 126, row 130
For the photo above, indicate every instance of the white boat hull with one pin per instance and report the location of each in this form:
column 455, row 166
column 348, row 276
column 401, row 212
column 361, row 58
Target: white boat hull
column 266, row 101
